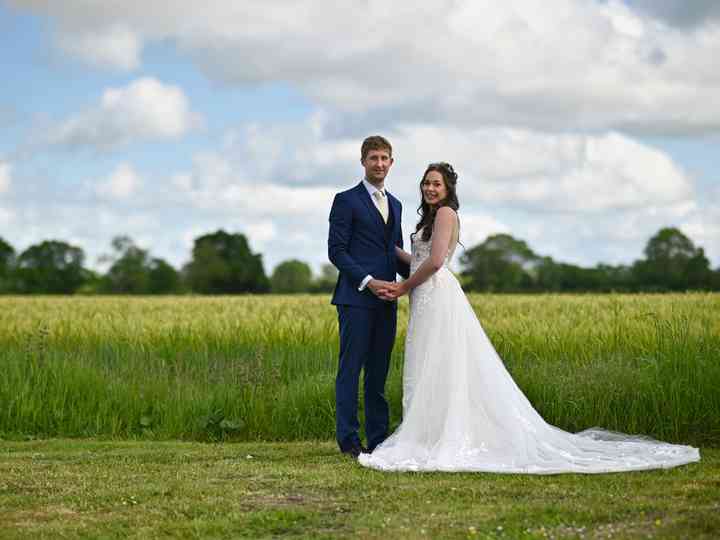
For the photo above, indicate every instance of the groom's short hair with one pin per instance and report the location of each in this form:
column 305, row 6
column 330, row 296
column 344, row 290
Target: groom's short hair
column 375, row 142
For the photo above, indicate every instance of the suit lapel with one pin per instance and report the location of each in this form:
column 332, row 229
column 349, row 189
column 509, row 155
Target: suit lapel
column 392, row 205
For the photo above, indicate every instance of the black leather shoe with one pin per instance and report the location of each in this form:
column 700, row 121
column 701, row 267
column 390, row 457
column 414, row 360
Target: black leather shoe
column 353, row 452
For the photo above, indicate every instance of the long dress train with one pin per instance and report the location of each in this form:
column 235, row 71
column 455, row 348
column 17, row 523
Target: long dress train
column 462, row 411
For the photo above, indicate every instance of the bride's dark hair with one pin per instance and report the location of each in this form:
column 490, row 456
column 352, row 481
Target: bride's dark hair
column 427, row 212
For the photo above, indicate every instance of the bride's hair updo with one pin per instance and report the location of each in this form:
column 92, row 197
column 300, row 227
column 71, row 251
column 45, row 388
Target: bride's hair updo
column 427, row 212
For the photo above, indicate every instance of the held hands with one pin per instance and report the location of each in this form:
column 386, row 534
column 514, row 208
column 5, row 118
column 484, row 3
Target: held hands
column 378, row 287
column 386, row 290
column 394, row 291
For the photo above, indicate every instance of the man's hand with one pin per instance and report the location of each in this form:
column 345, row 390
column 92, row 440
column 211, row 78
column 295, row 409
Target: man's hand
column 394, row 291
column 378, row 287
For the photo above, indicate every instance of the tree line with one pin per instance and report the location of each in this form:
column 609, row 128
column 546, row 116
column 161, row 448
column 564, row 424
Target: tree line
column 671, row 262
column 223, row 263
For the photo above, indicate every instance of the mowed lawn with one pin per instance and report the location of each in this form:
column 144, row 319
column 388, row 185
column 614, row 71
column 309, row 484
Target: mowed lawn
column 66, row 488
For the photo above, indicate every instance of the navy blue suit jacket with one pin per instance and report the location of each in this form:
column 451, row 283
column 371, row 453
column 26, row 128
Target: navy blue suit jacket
column 359, row 243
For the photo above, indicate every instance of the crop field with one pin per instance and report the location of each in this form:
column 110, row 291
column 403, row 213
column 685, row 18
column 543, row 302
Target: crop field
column 262, row 368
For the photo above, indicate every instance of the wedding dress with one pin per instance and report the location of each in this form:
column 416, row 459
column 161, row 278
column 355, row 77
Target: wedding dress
column 462, row 411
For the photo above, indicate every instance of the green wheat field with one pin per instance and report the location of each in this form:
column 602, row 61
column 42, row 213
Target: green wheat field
column 164, row 399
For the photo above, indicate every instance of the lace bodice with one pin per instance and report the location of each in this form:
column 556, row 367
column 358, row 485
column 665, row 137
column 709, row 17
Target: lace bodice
column 420, row 296
column 421, row 250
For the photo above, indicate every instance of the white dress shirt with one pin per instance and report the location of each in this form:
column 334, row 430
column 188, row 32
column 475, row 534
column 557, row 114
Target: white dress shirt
column 371, row 191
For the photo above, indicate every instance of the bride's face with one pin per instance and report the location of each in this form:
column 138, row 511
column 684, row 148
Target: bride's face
column 433, row 188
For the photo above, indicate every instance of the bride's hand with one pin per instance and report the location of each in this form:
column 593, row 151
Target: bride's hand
column 395, row 290
column 385, row 293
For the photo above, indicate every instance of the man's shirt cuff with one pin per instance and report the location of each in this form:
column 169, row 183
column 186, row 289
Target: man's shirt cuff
column 364, row 282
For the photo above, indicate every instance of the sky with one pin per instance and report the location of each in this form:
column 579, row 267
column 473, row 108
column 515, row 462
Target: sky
column 579, row 126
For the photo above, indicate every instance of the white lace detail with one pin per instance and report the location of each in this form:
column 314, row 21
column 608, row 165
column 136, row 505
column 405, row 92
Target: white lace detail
column 420, row 295
column 462, row 411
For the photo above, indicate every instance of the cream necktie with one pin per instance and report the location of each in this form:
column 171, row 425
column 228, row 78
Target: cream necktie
column 381, row 203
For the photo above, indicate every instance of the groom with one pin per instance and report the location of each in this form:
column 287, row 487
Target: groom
column 364, row 230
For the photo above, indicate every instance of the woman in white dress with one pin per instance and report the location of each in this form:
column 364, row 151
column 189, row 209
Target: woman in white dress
column 462, row 411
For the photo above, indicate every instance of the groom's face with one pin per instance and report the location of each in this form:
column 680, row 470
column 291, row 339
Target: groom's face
column 377, row 163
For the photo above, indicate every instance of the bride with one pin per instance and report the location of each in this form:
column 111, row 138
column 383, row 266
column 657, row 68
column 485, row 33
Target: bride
column 462, row 411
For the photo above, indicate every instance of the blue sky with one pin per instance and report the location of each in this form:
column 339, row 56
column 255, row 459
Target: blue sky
column 581, row 130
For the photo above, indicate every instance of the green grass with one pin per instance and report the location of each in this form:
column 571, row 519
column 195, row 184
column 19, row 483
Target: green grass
column 143, row 489
column 134, row 371
column 262, row 367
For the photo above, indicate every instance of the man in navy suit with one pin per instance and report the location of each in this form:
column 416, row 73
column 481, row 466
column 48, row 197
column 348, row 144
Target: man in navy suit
column 365, row 227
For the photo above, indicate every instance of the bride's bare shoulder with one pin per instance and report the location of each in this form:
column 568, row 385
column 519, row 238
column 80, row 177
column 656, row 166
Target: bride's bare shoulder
column 446, row 217
column 446, row 212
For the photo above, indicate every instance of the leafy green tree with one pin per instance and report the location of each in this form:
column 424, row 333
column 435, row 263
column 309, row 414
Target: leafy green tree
column 699, row 273
column 672, row 262
column 7, row 263
column 291, row 276
column 128, row 273
column 164, row 279
column 207, row 271
column 500, row 264
column 549, row 275
column 222, row 263
column 94, row 283
column 51, row 267
column 615, row 278
column 570, row 277
column 133, row 271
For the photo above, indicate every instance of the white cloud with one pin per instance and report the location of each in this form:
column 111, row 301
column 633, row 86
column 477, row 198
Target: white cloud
column 145, row 109
column 261, row 233
column 5, row 176
column 475, row 228
column 122, row 183
column 116, row 46
column 297, row 154
column 702, row 225
column 91, row 227
column 301, row 165
column 218, row 183
column 572, row 173
column 579, row 198
column 575, row 65
column 216, row 194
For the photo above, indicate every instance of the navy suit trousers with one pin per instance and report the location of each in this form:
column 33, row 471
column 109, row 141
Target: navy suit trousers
column 367, row 336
